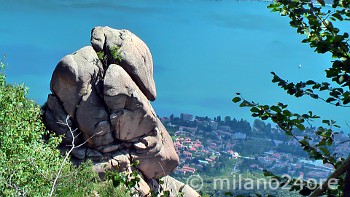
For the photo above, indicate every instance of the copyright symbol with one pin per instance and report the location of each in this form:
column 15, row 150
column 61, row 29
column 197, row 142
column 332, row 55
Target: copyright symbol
column 195, row 181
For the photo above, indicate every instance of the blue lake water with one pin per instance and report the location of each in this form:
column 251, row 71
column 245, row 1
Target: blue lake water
column 204, row 51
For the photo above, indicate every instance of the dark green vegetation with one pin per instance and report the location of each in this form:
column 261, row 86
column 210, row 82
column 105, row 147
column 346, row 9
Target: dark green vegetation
column 114, row 54
column 318, row 24
column 29, row 165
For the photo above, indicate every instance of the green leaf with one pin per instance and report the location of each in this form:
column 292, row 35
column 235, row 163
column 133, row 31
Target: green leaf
column 322, row 142
column 264, row 117
column 236, row 99
column 324, row 150
column 300, row 126
column 287, row 113
column 310, row 82
column 326, row 122
column 228, row 194
column 337, row 16
column 276, row 109
column 246, row 104
column 346, row 100
column 329, row 142
column 321, row 2
column 337, row 126
column 267, row 173
column 330, row 99
column 304, row 142
column 315, row 96
column 255, row 114
column 255, row 109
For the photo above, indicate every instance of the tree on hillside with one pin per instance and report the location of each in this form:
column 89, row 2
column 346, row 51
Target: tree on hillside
column 32, row 166
column 317, row 21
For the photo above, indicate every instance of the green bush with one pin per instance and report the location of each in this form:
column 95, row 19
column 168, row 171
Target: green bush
column 29, row 164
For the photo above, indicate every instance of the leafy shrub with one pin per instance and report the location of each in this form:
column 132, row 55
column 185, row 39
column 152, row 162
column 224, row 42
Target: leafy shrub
column 26, row 161
column 29, row 164
column 113, row 57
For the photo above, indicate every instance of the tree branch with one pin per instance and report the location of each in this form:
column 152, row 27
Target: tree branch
column 65, row 158
column 346, row 191
column 73, row 146
column 338, row 172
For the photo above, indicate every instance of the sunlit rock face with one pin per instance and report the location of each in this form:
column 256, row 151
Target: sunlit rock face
column 100, row 101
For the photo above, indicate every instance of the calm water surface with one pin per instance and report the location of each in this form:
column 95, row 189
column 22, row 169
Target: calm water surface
column 204, row 51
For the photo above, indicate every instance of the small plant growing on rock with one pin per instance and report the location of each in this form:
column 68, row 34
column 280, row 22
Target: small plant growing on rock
column 30, row 166
column 101, row 56
column 129, row 179
column 115, row 56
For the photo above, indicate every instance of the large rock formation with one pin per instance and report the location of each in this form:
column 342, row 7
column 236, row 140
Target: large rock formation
column 101, row 98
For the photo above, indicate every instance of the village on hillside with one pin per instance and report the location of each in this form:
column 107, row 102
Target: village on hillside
column 210, row 147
